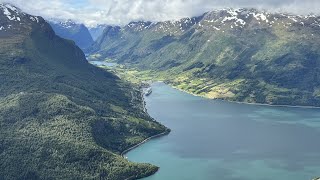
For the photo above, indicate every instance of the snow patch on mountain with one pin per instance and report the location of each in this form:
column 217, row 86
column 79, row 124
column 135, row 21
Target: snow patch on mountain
column 260, row 17
column 222, row 20
column 234, row 16
column 15, row 14
column 35, row 19
column 139, row 26
column 68, row 24
column 11, row 12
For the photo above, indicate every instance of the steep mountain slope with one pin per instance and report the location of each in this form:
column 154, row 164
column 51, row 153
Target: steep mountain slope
column 79, row 33
column 97, row 31
column 235, row 54
column 60, row 117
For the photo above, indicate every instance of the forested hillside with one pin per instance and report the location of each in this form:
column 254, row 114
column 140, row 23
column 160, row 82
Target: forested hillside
column 241, row 55
column 60, row 117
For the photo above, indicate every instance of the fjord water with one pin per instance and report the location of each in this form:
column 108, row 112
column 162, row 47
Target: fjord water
column 103, row 63
column 217, row 140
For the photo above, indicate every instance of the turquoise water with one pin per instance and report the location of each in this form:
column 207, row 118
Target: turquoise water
column 103, row 63
column 216, row 140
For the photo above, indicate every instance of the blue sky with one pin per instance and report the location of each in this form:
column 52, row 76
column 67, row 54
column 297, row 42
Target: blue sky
column 120, row 12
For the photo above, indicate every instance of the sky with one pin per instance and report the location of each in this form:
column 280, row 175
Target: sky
column 121, row 12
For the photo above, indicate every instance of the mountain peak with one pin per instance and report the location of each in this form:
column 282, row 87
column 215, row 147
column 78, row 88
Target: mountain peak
column 11, row 12
column 68, row 23
column 13, row 19
column 70, row 29
column 10, row 6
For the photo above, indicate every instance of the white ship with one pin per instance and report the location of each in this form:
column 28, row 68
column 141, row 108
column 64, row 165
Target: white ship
column 148, row 91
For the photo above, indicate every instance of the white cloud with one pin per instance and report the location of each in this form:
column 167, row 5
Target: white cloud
column 93, row 12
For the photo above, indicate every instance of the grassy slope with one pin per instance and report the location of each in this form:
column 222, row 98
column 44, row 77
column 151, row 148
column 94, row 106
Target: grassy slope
column 274, row 65
column 62, row 118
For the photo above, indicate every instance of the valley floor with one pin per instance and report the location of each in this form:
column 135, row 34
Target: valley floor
column 207, row 88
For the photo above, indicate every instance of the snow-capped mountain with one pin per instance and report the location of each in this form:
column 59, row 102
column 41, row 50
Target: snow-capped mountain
column 79, row 33
column 239, row 54
column 13, row 19
column 228, row 19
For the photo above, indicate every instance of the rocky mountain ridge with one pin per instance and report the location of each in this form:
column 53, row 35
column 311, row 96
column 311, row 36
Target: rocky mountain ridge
column 71, row 30
column 234, row 54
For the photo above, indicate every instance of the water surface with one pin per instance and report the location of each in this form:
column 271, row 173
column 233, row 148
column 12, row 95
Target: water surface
column 217, row 140
column 103, row 63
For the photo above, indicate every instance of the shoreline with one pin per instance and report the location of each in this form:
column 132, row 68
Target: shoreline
column 247, row 103
column 238, row 102
column 166, row 132
column 271, row 105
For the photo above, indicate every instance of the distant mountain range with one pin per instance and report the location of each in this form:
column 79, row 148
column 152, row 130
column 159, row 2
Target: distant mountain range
column 79, row 33
column 60, row 117
column 97, row 31
column 243, row 55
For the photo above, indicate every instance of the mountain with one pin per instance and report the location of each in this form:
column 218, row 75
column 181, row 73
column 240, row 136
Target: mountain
column 60, row 117
column 242, row 55
column 79, row 33
column 97, row 31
